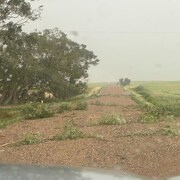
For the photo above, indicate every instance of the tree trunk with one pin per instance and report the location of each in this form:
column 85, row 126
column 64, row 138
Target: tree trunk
column 2, row 98
column 9, row 99
column 14, row 98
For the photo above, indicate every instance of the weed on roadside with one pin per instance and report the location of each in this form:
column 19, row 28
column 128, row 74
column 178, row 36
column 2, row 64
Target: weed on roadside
column 70, row 132
column 36, row 111
column 32, row 138
column 170, row 130
column 156, row 113
column 167, row 130
column 111, row 119
column 81, row 105
column 64, row 107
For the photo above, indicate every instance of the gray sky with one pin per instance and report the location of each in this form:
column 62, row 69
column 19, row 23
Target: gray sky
column 139, row 39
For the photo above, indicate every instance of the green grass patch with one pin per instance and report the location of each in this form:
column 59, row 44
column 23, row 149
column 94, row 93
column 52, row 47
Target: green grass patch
column 111, row 119
column 81, row 105
column 9, row 116
column 70, row 132
column 157, row 88
column 157, row 105
column 167, row 130
column 64, row 107
column 156, row 113
column 170, row 130
column 36, row 111
column 144, row 93
column 29, row 139
column 137, row 99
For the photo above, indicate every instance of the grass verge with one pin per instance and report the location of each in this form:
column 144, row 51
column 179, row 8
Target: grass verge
column 155, row 108
column 9, row 116
column 167, row 130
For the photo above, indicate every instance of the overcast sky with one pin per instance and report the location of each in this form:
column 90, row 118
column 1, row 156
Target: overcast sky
column 139, row 39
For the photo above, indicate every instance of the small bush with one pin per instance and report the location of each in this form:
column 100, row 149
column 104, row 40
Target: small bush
column 30, row 139
column 64, row 107
column 148, row 118
column 156, row 113
column 111, row 119
column 36, row 111
column 158, row 110
column 170, row 131
column 81, row 105
column 69, row 132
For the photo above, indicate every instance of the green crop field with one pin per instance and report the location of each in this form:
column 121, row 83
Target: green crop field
column 159, row 92
column 165, row 88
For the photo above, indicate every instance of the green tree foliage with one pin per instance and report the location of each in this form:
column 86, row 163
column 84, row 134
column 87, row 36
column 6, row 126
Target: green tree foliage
column 35, row 63
column 16, row 13
column 124, row 82
column 39, row 62
column 14, row 45
column 64, row 64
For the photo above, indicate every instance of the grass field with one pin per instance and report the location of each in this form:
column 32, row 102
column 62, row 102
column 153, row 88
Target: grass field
column 165, row 93
column 165, row 88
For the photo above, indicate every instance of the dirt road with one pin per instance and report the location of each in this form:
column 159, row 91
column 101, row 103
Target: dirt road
column 143, row 155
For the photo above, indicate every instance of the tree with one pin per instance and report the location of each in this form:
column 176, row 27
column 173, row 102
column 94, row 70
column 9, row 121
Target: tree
column 39, row 62
column 65, row 64
column 16, row 13
column 13, row 14
column 16, row 68
column 124, row 82
column 35, row 63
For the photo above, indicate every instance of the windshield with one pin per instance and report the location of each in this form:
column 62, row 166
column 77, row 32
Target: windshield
column 91, row 84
